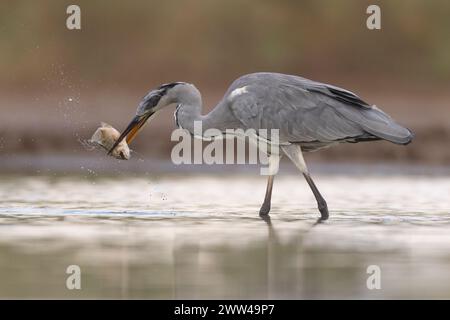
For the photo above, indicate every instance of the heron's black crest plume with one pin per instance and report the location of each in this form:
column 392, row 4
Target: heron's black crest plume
column 167, row 86
column 154, row 96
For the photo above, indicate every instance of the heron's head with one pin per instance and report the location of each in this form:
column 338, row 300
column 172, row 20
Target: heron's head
column 152, row 102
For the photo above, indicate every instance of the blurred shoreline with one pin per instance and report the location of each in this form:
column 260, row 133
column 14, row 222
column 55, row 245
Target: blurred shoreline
column 52, row 124
column 97, row 165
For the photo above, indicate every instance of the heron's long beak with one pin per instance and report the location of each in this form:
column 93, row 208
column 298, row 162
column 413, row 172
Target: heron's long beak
column 132, row 129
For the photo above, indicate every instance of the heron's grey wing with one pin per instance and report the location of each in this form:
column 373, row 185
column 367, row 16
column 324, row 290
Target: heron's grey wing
column 247, row 110
column 339, row 94
column 298, row 115
column 370, row 119
column 306, row 111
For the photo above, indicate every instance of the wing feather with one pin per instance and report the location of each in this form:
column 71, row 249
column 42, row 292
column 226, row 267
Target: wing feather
column 306, row 111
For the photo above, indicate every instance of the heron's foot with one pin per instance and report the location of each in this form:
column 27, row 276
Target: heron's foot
column 265, row 209
column 266, row 219
column 323, row 208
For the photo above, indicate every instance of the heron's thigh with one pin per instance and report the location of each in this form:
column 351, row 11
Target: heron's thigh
column 294, row 152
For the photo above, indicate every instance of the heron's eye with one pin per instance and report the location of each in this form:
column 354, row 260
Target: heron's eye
column 154, row 99
column 148, row 103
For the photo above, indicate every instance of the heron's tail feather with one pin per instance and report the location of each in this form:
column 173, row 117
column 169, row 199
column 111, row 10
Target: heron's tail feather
column 379, row 124
column 403, row 136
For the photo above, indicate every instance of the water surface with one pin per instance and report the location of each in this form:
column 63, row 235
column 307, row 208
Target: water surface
column 200, row 237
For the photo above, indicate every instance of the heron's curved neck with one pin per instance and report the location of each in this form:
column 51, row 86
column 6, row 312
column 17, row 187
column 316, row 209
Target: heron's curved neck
column 189, row 110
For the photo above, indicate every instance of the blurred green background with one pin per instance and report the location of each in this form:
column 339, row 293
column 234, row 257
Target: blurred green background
column 56, row 84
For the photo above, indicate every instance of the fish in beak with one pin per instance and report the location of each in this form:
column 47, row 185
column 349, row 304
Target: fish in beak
column 149, row 105
column 132, row 130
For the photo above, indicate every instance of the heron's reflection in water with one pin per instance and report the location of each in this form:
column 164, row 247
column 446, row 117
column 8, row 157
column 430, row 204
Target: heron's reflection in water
column 260, row 266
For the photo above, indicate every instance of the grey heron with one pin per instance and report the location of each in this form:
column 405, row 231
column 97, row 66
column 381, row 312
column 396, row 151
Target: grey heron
column 309, row 116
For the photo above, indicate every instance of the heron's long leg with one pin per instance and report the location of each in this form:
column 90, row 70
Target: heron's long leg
column 265, row 208
column 274, row 161
column 321, row 203
column 294, row 152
